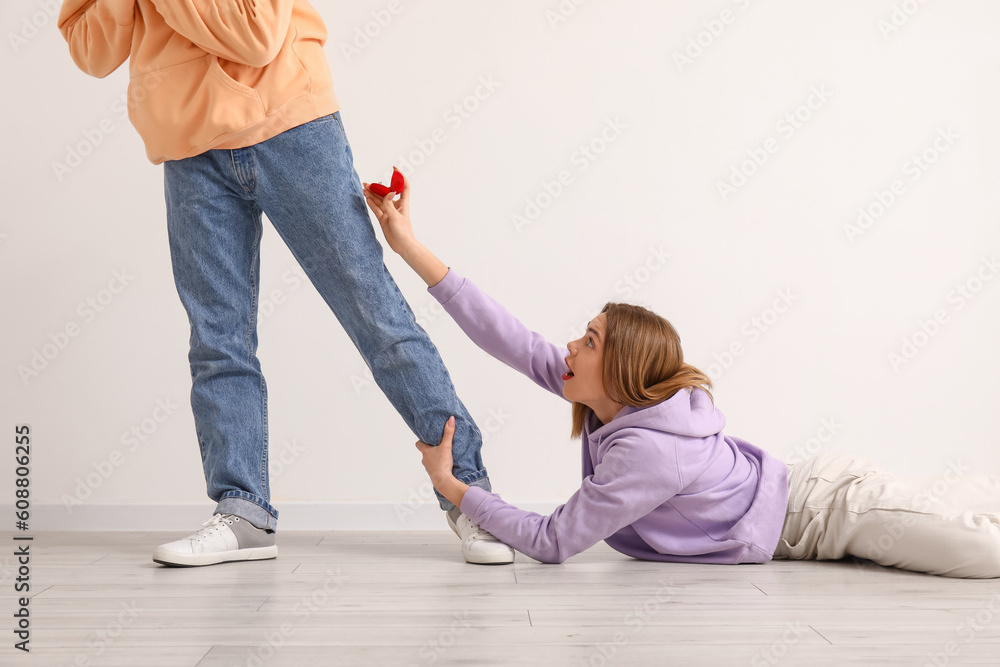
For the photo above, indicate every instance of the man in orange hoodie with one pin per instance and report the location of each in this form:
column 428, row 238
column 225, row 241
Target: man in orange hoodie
column 235, row 99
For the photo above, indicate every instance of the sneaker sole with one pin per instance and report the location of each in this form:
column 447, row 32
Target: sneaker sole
column 485, row 559
column 196, row 560
column 481, row 559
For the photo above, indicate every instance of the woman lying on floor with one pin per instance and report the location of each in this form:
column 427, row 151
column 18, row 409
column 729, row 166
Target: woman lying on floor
column 660, row 479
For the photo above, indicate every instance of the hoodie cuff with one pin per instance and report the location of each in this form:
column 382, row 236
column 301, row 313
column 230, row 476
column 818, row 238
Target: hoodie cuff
column 450, row 285
column 472, row 500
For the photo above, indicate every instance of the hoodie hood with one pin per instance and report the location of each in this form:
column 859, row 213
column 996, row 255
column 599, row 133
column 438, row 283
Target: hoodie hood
column 689, row 412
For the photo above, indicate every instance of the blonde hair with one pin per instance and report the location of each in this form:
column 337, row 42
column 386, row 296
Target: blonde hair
column 643, row 361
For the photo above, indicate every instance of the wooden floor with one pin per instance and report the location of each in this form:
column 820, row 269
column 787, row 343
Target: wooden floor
column 408, row 598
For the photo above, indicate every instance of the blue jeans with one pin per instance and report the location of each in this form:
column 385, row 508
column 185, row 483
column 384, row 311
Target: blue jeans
column 304, row 180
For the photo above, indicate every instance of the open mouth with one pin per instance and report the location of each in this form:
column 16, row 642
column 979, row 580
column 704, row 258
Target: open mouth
column 567, row 375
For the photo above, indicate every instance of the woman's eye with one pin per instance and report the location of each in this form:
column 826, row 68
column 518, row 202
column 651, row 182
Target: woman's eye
column 590, row 342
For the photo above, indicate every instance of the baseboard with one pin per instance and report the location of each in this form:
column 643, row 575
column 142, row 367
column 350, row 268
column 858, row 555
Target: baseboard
column 292, row 516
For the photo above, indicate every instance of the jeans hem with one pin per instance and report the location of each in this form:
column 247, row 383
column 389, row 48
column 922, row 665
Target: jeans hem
column 248, row 507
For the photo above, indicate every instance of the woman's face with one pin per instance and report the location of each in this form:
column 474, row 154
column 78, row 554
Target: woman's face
column 584, row 383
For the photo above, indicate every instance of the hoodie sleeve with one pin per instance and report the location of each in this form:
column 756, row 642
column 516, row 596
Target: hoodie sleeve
column 99, row 33
column 499, row 333
column 634, row 478
column 250, row 32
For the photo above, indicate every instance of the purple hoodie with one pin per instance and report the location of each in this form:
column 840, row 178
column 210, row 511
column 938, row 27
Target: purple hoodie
column 659, row 483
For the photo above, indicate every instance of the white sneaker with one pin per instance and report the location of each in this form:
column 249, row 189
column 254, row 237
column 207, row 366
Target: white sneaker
column 478, row 546
column 224, row 537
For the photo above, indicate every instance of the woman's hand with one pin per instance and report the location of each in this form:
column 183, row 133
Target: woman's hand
column 438, row 463
column 394, row 218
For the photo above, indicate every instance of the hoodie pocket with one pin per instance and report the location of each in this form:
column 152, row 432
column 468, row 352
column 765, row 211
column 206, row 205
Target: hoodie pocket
column 194, row 103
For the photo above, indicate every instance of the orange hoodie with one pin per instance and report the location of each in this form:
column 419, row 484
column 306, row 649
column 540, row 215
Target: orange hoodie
column 206, row 74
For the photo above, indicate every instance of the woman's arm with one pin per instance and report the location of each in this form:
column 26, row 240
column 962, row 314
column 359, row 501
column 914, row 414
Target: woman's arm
column 394, row 218
column 488, row 324
column 99, row 33
column 631, row 481
column 635, row 477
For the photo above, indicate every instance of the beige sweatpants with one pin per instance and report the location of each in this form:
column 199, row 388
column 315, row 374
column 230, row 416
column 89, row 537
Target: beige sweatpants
column 841, row 506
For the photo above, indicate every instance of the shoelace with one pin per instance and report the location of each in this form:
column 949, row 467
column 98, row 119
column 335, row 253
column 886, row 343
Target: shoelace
column 479, row 534
column 210, row 526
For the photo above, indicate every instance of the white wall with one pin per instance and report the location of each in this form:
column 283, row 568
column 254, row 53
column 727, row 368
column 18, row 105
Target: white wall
column 653, row 189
